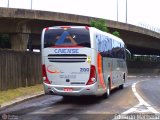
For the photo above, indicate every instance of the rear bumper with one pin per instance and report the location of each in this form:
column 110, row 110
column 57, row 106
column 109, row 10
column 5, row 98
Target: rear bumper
column 77, row 90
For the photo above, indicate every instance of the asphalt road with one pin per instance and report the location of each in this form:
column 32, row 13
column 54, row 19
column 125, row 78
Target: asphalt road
column 149, row 89
column 127, row 101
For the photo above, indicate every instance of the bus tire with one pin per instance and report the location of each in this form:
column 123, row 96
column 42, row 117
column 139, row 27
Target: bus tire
column 107, row 94
column 122, row 85
column 66, row 97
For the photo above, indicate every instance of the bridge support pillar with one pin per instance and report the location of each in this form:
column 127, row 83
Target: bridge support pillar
column 19, row 41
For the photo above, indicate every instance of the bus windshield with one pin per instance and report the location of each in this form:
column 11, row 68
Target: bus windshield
column 67, row 37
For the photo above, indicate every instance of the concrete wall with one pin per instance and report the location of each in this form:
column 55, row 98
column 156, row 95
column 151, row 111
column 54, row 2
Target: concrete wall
column 143, row 68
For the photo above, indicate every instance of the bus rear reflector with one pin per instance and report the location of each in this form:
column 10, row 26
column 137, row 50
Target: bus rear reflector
column 92, row 77
column 46, row 29
column 87, row 28
column 44, row 75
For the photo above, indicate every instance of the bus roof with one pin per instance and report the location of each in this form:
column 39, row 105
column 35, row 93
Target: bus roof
column 107, row 34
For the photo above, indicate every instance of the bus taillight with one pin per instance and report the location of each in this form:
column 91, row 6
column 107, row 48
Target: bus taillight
column 92, row 77
column 44, row 75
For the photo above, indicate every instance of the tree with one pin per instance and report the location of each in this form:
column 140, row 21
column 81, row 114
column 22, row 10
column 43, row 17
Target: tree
column 102, row 25
column 116, row 33
column 99, row 24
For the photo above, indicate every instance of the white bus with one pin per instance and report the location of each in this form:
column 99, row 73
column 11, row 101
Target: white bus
column 81, row 60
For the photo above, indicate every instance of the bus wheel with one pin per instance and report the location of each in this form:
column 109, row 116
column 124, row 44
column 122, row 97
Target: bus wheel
column 107, row 94
column 66, row 97
column 122, row 85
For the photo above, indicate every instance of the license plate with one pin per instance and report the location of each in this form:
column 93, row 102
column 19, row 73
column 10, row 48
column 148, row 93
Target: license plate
column 68, row 89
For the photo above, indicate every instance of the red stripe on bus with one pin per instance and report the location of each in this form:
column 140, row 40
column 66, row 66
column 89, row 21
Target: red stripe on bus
column 100, row 71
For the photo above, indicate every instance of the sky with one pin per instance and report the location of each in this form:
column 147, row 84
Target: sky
column 139, row 12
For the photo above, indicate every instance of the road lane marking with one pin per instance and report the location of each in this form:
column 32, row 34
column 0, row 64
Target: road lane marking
column 141, row 101
column 142, row 107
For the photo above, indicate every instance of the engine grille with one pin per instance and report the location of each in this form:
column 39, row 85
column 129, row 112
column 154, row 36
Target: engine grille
column 67, row 58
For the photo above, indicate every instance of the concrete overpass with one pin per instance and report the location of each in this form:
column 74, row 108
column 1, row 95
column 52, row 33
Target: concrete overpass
column 25, row 26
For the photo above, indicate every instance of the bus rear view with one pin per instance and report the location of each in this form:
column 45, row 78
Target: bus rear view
column 66, row 61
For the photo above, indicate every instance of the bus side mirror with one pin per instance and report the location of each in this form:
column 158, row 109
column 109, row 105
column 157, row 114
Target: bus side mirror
column 128, row 54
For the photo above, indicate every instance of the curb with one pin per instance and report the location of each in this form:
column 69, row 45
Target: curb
column 143, row 76
column 132, row 76
column 21, row 99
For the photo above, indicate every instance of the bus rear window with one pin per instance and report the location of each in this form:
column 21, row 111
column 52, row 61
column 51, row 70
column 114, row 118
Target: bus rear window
column 67, row 37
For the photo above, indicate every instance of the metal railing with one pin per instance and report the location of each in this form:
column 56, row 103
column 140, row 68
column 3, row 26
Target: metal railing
column 149, row 27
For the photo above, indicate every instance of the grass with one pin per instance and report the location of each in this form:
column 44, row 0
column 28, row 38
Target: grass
column 6, row 96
